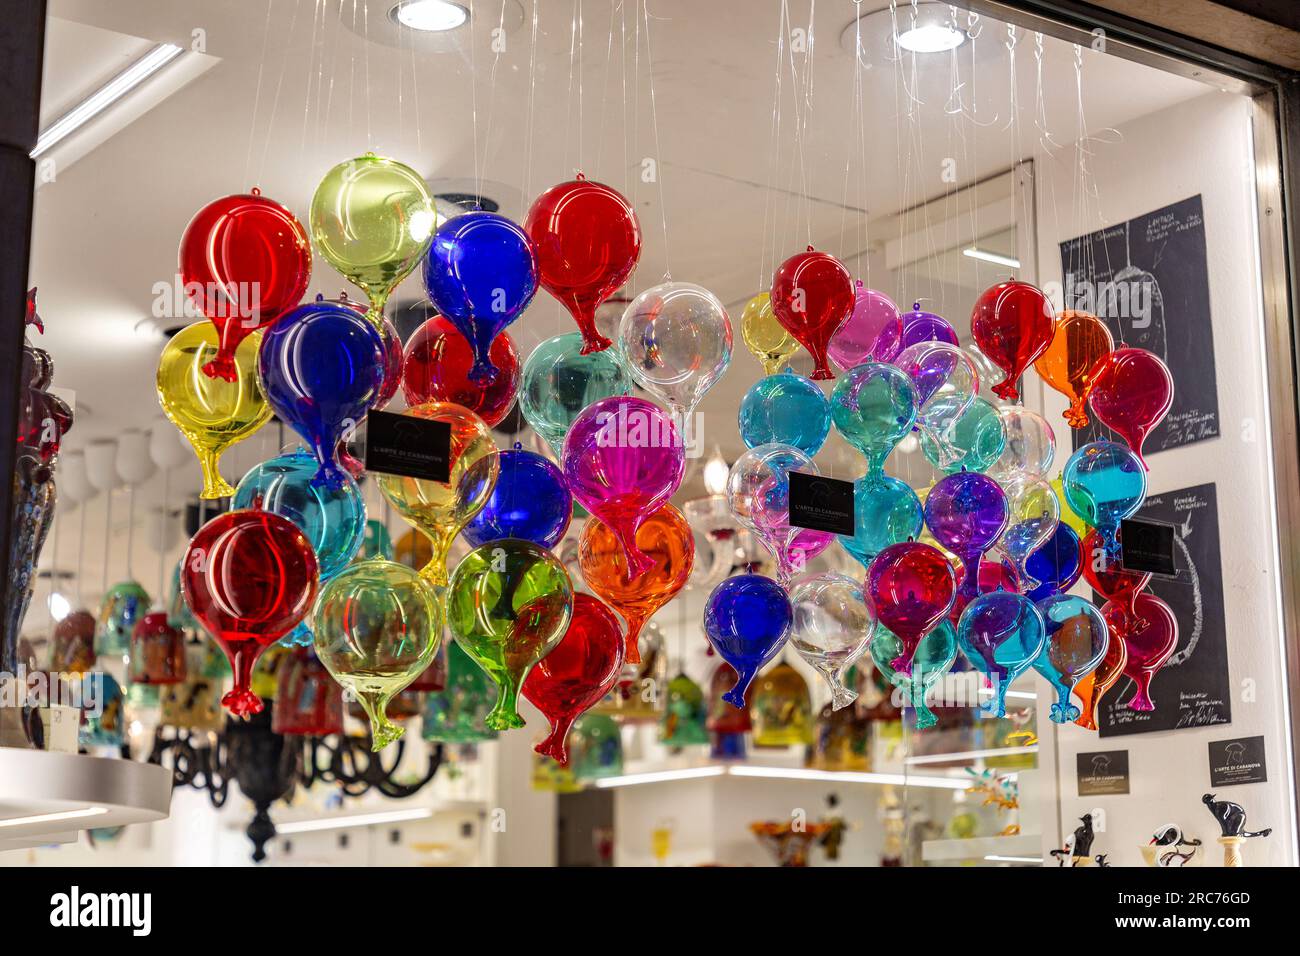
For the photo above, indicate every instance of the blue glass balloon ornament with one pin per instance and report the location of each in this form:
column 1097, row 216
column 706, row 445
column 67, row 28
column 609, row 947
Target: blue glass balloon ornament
column 332, row 516
column 747, row 619
column 885, row 511
column 874, row 407
column 558, row 382
column 530, row 500
column 1104, row 483
column 1001, row 633
column 974, row 442
column 785, row 409
column 1077, row 637
column 322, row 367
column 480, row 274
column 932, row 659
column 1056, row 565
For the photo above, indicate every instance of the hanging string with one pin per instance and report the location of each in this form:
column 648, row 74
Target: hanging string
column 492, row 93
column 163, row 526
column 108, row 534
column 654, row 122
column 275, row 102
column 56, row 524
column 130, row 530
column 532, row 99
column 773, row 160
column 81, row 555
column 257, row 96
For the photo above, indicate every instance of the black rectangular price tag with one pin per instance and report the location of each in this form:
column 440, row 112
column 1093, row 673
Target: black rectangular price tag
column 1147, row 546
column 821, row 504
column 407, row 446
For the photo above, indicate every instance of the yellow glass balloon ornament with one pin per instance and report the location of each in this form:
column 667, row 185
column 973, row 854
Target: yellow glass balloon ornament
column 211, row 412
column 764, row 336
column 508, row 606
column 377, row 627
column 372, row 219
column 441, row 508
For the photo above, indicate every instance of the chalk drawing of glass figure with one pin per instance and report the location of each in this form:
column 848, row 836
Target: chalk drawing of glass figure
column 1134, row 306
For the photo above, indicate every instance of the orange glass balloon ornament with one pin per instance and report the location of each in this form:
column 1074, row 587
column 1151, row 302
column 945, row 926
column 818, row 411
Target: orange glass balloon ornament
column 1093, row 687
column 1081, row 340
column 577, row 673
column 667, row 539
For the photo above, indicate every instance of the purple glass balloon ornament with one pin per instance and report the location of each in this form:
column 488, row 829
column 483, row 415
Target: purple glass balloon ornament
column 967, row 513
column 921, row 326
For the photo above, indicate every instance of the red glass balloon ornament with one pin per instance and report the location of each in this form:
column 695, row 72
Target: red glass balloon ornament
column 1148, row 646
column 812, row 296
column 157, row 651
column 588, row 242
column 911, row 586
column 245, row 260
column 436, row 366
column 1013, row 324
column 577, row 674
column 1131, row 394
column 1118, row 585
column 249, row 577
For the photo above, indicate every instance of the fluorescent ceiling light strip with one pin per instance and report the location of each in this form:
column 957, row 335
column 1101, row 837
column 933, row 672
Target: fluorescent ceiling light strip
column 355, row 820
column 106, row 96
column 661, row 776
column 1011, row 694
column 973, row 754
column 976, row 253
column 1013, row 859
column 54, row 817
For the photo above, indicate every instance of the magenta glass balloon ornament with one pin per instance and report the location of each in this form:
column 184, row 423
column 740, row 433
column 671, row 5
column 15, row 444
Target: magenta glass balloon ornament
column 873, row 331
column 623, row 458
column 911, row 587
column 967, row 513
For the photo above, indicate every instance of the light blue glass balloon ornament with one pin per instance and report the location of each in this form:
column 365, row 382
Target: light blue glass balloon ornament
column 933, row 658
column 885, row 511
column 331, row 515
column 1001, row 633
column 104, row 709
column 873, row 406
column 1077, row 636
column 785, row 409
column 322, row 367
column 1104, row 483
column 974, row 443
column 530, row 500
column 558, row 382
column 747, row 619
column 480, row 273
column 1056, row 565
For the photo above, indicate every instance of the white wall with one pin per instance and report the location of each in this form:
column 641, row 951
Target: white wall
column 1199, row 147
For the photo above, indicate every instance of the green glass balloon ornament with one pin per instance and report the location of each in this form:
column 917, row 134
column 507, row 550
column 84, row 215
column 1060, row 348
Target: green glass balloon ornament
column 457, row 714
column 508, row 604
column 377, row 626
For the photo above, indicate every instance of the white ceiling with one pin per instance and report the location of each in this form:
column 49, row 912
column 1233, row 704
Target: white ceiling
column 295, row 89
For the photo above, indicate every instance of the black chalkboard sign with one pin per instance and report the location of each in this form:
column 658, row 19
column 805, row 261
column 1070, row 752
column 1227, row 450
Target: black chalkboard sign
column 1147, row 279
column 1192, row 689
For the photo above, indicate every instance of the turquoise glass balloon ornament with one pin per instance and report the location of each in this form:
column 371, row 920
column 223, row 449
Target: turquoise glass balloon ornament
column 558, row 382
column 1104, row 483
column 874, row 407
column 104, row 707
column 1001, row 634
column 885, row 511
column 331, row 515
column 1077, row 637
column 123, row 607
column 785, row 409
column 932, row 659
column 974, row 443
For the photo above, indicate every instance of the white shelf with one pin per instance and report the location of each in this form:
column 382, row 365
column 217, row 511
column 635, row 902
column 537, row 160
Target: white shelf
column 1025, row 848
column 50, row 797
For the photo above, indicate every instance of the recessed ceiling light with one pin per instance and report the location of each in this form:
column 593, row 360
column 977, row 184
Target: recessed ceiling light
column 931, row 38
column 429, row 16
column 106, row 96
column 974, row 252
